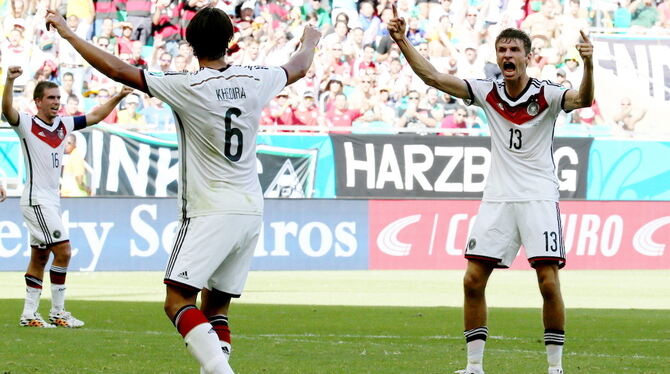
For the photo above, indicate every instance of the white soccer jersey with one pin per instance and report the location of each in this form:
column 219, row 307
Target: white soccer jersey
column 217, row 115
column 43, row 147
column 522, row 136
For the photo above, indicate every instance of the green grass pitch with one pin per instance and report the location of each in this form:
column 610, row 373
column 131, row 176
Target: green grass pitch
column 135, row 337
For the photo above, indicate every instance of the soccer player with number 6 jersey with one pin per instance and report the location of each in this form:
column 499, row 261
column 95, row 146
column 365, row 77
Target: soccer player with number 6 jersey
column 217, row 111
column 520, row 202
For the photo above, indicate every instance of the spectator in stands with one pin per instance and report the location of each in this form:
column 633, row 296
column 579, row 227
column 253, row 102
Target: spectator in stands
column 622, row 15
column 166, row 21
column 542, row 23
column 628, row 117
column 136, row 56
column 457, row 120
column 369, row 22
column 323, row 17
column 281, row 110
column 306, row 112
column 158, row 115
column 71, row 107
column 570, row 23
column 411, row 115
column 102, row 97
column 130, row 117
column 590, row 116
column 139, row 16
column 332, row 89
column 340, row 115
column 644, row 15
column 47, row 72
column 664, row 13
column 84, row 11
column 74, row 181
column 470, row 65
column 124, row 43
column 104, row 10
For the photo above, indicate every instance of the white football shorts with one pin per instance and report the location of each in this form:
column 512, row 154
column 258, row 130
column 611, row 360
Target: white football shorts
column 45, row 225
column 502, row 227
column 214, row 252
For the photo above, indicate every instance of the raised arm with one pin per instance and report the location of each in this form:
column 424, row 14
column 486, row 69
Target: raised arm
column 584, row 97
column 105, row 62
column 424, row 69
column 8, row 110
column 99, row 113
column 300, row 62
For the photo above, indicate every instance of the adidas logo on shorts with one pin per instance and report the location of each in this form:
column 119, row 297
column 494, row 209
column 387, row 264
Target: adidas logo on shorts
column 183, row 274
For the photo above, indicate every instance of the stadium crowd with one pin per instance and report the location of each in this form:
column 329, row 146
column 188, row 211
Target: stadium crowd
column 359, row 80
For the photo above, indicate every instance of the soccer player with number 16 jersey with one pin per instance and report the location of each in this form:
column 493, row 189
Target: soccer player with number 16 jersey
column 217, row 111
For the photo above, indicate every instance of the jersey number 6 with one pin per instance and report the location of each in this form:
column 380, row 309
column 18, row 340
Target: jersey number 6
column 230, row 133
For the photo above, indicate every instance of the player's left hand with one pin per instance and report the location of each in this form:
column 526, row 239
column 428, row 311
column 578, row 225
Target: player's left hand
column 585, row 48
column 55, row 20
column 3, row 194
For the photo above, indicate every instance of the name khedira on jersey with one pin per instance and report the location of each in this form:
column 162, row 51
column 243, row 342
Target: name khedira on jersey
column 230, row 93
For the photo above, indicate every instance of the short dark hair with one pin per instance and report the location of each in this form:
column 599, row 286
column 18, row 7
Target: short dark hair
column 512, row 33
column 38, row 93
column 207, row 25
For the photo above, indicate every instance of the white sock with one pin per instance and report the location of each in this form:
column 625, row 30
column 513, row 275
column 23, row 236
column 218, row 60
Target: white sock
column 554, row 355
column 32, row 301
column 476, row 353
column 203, row 344
column 57, row 298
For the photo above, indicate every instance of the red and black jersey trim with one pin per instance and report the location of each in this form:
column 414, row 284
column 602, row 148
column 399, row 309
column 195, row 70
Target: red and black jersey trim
column 517, row 114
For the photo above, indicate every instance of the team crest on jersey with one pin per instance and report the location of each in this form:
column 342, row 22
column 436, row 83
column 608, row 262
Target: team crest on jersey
column 61, row 135
column 533, row 108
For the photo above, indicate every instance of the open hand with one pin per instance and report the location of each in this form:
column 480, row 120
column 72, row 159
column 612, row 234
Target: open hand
column 397, row 26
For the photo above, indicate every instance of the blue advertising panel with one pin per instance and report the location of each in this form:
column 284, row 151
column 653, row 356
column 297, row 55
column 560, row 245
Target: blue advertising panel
column 629, row 170
column 313, row 235
column 136, row 234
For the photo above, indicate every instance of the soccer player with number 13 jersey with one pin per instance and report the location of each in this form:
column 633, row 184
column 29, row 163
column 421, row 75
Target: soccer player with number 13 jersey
column 520, row 202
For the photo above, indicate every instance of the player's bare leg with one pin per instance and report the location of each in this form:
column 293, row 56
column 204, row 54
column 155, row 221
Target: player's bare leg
column 475, row 312
column 201, row 340
column 33, row 277
column 553, row 314
column 214, row 306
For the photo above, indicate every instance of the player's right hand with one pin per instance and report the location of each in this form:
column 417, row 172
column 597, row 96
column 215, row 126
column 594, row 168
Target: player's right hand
column 310, row 35
column 397, row 26
column 55, row 20
column 14, row 72
column 125, row 91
